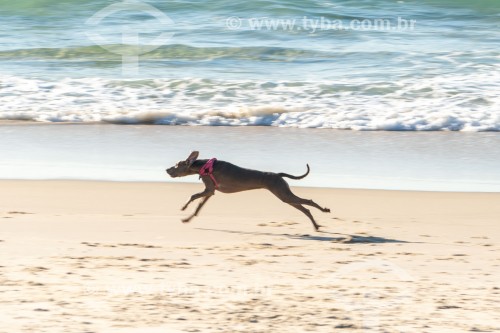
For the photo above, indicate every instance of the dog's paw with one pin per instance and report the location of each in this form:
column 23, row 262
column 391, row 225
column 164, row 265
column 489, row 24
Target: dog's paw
column 186, row 220
column 184, row 208
column 326, row 210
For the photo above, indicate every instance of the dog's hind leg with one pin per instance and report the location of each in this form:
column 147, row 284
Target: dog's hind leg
column 308, row 214
column 200, row 205
column 312, row 203
column 284, row 193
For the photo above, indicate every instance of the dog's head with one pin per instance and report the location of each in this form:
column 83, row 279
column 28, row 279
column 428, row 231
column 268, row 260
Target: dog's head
column 183, row 168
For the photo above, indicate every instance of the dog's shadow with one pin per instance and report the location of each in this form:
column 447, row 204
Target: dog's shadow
column 341, row 238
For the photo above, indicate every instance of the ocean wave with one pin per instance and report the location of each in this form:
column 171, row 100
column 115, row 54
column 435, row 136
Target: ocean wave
column 428, row 104
column 167, row 52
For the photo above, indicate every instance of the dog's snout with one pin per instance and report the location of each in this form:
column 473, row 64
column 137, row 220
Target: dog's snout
column 170, row 171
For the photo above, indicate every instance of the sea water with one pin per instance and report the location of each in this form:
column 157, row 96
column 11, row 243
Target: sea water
column 301, row 69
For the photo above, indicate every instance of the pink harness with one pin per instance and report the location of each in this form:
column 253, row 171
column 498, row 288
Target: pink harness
column 208, row 169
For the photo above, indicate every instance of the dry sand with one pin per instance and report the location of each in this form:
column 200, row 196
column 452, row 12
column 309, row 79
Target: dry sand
column 80, row 256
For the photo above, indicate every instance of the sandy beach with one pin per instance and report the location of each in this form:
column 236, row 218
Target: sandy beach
column 82, row 256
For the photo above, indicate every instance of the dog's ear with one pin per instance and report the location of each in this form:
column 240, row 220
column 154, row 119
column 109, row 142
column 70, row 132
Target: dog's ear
column 192, row 157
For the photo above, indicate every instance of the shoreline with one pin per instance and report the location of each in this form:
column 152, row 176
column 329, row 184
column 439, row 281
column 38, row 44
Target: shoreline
column 12, row 122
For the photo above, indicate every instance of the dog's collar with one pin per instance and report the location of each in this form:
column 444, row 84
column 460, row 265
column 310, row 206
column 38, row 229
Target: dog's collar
column 207, row 170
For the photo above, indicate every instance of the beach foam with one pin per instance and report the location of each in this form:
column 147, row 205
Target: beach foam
column 452, row 103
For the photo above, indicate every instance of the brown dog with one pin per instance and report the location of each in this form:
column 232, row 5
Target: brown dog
column 229, row 178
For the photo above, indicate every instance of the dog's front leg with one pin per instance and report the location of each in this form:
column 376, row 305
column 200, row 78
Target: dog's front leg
column 203, row 201
column 205, row 193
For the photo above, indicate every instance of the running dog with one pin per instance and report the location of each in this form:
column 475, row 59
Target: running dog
column 229, row 178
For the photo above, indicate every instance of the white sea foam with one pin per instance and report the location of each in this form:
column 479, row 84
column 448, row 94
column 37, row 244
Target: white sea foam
column 451, row 103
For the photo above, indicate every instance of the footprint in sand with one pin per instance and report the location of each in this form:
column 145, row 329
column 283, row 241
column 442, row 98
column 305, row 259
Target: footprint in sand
column 146, row 329
column 409, row 254
column 35, row 269
column 146, row 246
column 447, row 307
column 279, row 224
column 97, row 244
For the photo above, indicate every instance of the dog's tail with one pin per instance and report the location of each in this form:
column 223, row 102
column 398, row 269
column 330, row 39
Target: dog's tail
column 281, row 174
